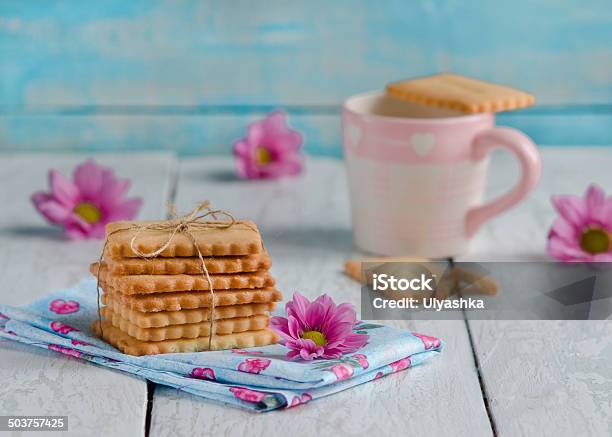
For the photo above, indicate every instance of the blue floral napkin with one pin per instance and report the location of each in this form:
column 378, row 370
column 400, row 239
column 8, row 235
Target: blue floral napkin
column 258, row 379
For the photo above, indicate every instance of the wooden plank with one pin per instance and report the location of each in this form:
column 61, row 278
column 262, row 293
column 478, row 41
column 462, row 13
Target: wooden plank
column 185, row 134
column 34, row 261
column 306, row 228
column 199, row 131
column 313, row 52
column 544, row 377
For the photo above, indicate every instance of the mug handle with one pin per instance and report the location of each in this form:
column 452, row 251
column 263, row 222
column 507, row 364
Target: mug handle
column 525, row 150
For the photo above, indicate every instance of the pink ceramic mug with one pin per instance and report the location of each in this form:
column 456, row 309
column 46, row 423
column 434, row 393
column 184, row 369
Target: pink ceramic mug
column 417, row 174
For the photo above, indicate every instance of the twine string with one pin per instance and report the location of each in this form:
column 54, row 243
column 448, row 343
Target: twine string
column 187, row 224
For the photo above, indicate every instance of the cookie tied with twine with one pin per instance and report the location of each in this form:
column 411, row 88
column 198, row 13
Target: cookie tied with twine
column 202, row 232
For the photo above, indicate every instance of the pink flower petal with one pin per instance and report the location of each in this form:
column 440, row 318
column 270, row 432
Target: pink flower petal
column 307, row 348
column 295, row 327
column 337, row 332
column 285, row 143
column 55, row 212
column 572, row 208
column 293, row 354
column 293, row 165
column 97, row 230
column 353, row 342
column 288, row 166
column 76, row 232
column 276, row 122
column 298, row 307
column 280, row 325
column 565, row 230
column 246, row 169
column 606, row 214
column 255, row 134
column 62, row 189
column 126, row 210
column 594, row 198
column 564, row 251
column 112, row 190
column 345, row 313
column 40, row 196
column 315, row 315
column 88, row 179
column 306, row 355
column 241, row 148
column 329, row 308
column 332, row 353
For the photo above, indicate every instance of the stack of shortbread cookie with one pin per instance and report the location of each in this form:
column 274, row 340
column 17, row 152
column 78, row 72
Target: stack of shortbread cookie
column 163, row 303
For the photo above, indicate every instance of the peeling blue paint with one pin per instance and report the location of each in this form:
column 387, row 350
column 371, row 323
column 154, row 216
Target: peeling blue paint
column 181, row 68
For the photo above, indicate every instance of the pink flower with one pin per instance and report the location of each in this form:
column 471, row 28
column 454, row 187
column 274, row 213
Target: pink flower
column 62, row 328
column 319, row 329
column 84, row 206
column 269, row 150
column 362, row 360
column 247, row 394
column 342, row 371
column 429, row 342
column 402, row 364
column 378, row 376
column 254, row 365
column 65, row 350
column 243, row 352
column 583, row 230
column 204, row 373
column 60, row 306
column 298, row 400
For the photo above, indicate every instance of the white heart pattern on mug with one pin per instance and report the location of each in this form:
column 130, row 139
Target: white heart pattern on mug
column 422, row 143
column 353, row 133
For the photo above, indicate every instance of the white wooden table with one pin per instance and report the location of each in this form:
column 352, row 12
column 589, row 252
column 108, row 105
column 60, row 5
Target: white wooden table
column 508, row 378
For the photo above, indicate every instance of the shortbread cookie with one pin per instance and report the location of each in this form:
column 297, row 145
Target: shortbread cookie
column 188, row 265
column 132, row 346
column 474, row 282
column 352, row 267
column 460, row 93
column 180, row 300
column 242, row 238
column 139, row 284
column 189, row 330
column 196, row 315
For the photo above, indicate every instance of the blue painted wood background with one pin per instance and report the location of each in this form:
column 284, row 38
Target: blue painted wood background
column 189, row 75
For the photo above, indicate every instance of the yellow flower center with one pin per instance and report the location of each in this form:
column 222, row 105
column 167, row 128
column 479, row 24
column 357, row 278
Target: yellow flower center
column 263, row 156
column 595, row 240
column 88, row 212
column 316, row 336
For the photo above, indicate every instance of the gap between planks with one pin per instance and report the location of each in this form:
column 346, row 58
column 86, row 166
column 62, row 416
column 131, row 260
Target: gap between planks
column 481, row 383
column 170, row 195
column 149, row 410
column 483, row 390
